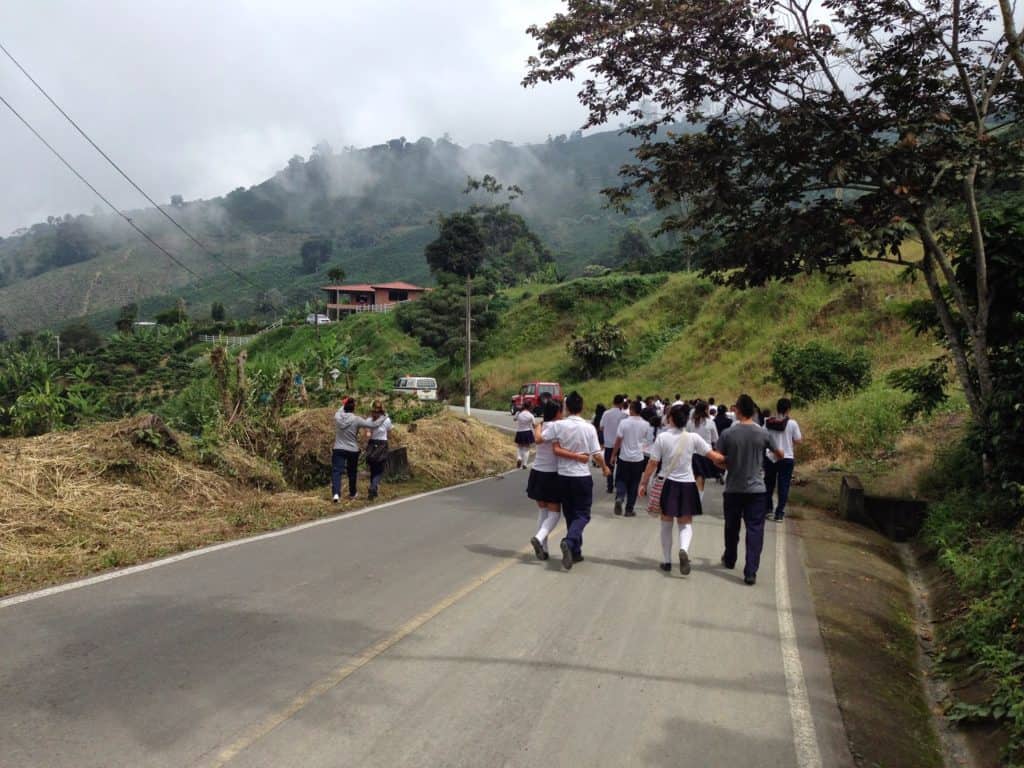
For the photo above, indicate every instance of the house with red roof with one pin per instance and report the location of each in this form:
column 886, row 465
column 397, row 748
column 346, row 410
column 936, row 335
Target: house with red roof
column 368, row 297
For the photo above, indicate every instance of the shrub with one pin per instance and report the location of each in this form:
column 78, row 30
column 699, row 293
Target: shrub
column 861, row 425
column 597, row 348
column 814, row 371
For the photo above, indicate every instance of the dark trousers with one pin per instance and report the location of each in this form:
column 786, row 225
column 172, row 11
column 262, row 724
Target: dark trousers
column 343, row 462
column 778, row 472
column 577, row 499
column 627, row 481
column 748, row 508
column 608, row 461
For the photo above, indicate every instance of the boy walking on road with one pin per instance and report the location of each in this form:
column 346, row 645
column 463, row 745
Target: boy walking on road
column 609, row 428
column 628, row 459
column 577, row 444
column 743, row 446
column 784, row 433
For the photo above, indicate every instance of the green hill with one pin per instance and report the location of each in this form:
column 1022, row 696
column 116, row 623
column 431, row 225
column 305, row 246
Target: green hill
column 377, row 206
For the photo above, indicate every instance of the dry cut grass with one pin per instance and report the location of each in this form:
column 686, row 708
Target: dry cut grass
column 74, row 503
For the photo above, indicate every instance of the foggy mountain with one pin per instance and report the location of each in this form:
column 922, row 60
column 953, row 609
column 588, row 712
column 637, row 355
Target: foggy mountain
column 377, row 205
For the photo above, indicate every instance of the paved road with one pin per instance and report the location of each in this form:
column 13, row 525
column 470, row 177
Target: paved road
column 421, row 634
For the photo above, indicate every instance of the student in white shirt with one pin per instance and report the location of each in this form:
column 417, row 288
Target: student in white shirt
column 680, row 500
column 700, row 423
column 377, row 447
column 634, row 435
column 609, row 428
column 577, row 439
column 524, row 435
column 784, row 434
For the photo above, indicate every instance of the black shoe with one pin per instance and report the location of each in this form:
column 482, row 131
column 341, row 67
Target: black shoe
column 610, row 490
column 666, row 567
column 750, row 580
column 538, row 549
column 567, row 558
column 777, row 518
column 630, row 513
column 618, row 506
column 684, row 562
column 519, row 463
column 372, row 494
column 577, row 558
column 727, row 564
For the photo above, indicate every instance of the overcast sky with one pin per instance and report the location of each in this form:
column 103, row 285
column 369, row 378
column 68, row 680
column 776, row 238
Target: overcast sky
column 198, row 97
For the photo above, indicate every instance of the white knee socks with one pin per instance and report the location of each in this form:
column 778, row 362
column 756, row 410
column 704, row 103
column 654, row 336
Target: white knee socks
column 547, row 526
column 685, row 536
column 666, row 541
column 524, row 453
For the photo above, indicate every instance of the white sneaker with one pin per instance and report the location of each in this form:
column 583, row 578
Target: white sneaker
column 335, row 498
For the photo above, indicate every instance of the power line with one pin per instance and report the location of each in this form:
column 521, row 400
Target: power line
column 127, row 178
column 95, row 191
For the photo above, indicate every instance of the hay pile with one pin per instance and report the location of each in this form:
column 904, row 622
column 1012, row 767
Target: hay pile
column 73, row 503
column 76, row 502
column 443, row 450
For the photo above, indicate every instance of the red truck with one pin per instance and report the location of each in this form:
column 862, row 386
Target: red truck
column 533, row 395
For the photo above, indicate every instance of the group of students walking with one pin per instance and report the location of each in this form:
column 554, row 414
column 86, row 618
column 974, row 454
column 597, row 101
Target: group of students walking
column 683, row 445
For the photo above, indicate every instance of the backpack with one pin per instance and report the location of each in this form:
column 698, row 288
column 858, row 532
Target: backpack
column 776, row 423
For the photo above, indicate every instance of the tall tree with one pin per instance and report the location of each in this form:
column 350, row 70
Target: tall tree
column 459, row 251
column 832, row 133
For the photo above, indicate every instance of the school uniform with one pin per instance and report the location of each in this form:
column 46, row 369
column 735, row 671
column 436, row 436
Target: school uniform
column 679, row 495
column 702, row 466
column 634, row 433
column 610, row 421
column 544, row 487
column 577, row 485
column 524, row 435
column 779, row 472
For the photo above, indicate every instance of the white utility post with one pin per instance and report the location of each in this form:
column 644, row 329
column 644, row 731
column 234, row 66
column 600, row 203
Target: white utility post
column 469, row 343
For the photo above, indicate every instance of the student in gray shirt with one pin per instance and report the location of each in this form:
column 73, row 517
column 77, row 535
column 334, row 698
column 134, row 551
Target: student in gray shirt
column 345, row 455
column 743, row 445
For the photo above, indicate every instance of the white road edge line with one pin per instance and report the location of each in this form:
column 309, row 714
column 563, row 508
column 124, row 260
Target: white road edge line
column 805, row 739
column 133, row 569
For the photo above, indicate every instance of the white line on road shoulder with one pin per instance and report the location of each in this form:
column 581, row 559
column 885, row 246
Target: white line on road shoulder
column 804, row 737
column 88, row 582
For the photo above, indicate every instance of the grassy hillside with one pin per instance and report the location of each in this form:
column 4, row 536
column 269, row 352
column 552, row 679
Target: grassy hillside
column 689, row 336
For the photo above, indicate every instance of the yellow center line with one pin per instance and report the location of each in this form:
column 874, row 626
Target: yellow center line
column 334, row 678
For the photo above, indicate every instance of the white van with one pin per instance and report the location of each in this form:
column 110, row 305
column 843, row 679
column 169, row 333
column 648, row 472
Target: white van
column 422, row 387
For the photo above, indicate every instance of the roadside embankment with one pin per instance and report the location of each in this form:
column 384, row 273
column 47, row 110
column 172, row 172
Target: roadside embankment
column 75, row 503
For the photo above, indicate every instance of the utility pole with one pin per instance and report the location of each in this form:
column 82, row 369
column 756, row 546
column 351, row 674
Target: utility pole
column 58, row 346
column 469, row 341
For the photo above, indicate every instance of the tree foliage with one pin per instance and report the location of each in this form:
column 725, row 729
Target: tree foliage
column 596, row 348
column 314, row 253
column 830, row 133
column 813, row 371
column 459, row 247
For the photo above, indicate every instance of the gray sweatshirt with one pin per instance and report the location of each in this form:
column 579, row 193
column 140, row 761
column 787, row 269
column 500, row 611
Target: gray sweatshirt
column 346, row 429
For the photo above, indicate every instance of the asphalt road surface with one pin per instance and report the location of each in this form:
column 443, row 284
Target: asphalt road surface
column 425, row 633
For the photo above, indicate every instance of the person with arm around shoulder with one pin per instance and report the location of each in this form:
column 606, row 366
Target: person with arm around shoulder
column 577, row 445
column 743, row 446
column 784, row 432
column 700, row 423
column 345, row 453
column 674, row 449
column 377, row 448
column 543, row 485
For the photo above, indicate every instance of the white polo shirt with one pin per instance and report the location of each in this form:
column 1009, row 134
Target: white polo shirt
column 635, row 433
column 664, row 448
column 576, row 435
column 524, row 421
column 610, row 420
column 785, row 439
